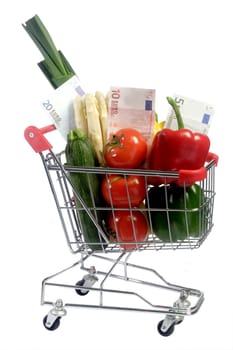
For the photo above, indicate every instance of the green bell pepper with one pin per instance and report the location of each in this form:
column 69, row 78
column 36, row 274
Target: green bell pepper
column 177, row 213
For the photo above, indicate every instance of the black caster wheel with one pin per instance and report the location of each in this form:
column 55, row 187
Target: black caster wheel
column 55, row 324
column 168, row 332
column 179, row 322
column 79, row 291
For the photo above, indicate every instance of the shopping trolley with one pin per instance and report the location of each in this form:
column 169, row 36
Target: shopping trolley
column 106, row 273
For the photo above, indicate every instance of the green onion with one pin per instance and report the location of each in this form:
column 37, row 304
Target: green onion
column 55, row 66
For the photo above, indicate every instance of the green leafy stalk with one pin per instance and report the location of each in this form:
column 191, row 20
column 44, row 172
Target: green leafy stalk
column 55, row 66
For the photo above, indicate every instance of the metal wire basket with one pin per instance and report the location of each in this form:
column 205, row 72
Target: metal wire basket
column 64, row 192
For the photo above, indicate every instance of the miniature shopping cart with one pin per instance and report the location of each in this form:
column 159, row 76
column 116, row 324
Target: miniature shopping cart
column 109, row 276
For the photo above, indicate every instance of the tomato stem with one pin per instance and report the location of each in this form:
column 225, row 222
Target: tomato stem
column 116, row 178
column 116, row 141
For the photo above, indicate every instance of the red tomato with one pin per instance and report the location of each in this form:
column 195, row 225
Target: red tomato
column 126, row 149
column 123, row 192
column 129, row 226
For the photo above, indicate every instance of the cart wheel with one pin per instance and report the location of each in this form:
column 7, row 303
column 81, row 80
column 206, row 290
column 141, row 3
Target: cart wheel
column 55, row 324
column 168, row 332
column 80, row 291
column 179, row 322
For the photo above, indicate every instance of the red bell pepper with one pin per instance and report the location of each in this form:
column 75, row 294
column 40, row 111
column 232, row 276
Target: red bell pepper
column 180, row 150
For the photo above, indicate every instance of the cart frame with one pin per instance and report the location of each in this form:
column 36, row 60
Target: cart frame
column 120, row 268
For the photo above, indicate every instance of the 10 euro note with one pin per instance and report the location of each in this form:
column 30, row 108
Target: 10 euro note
column 131, row 108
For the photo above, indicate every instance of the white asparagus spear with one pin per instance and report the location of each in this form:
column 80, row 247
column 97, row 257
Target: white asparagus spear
column 103, row 114
column 94, row 127
column 79, row 114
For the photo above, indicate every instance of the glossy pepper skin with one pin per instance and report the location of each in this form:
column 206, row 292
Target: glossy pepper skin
column 184, row 215
column 182, row 149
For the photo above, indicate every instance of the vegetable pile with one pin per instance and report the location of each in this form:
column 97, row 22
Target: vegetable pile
column 128, row 207
column 139, row 205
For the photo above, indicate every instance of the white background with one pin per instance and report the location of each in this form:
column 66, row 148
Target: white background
column 172, row 46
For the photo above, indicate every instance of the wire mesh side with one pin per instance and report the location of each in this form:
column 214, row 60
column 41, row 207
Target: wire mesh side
column 73, row 226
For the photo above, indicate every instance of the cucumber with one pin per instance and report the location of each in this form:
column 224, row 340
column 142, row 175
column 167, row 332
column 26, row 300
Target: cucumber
column 79, row 152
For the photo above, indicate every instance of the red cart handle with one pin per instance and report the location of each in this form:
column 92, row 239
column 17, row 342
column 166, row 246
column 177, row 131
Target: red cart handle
column 36, row 139
column 212, row 156
column 191, row 176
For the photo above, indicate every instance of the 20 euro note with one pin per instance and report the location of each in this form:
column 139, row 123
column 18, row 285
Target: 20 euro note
column 59, row 105
column 131, row 108
column 196, row 115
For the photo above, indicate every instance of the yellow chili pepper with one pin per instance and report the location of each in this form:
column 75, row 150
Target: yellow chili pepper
column 158, row 125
